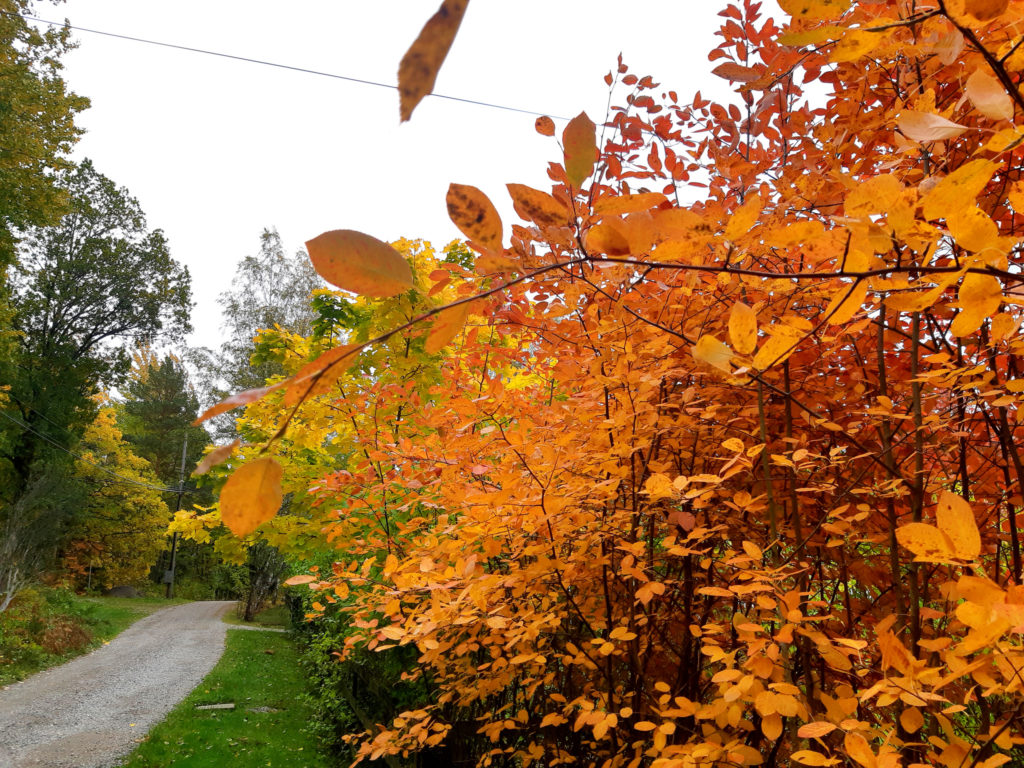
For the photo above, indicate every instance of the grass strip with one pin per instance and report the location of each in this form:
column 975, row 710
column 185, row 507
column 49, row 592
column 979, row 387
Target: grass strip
column 259, row 672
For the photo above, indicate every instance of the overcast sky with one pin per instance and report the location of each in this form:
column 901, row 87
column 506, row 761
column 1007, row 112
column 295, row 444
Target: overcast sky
column 216, row 150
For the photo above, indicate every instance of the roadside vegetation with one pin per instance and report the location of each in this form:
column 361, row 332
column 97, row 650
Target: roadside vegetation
column 46, row 627
column 258, row 673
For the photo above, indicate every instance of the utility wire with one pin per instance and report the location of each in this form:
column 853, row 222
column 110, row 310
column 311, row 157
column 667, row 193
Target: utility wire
column 121, row 478
column 265, row 63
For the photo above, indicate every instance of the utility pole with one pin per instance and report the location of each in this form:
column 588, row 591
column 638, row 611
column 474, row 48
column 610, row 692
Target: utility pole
column 177, row 508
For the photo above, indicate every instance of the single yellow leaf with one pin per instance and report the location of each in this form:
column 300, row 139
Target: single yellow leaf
column 854, row 44
column 973, row 229
column 927, row 126
column 911, row 719
column 876, row 195
column 544, row 125
column 743, row 328
column 810, row 757
column 251, row 496
column 715, row 353
column 215, row 457
column 733, row 444
column 980, row 297
column 955, row 518
column 1004, row 325
column 959, row 189
column 814, row 10
column 782, row 342
column 927, row 542
column 771, row 726
column 614, row 205
column 858, row 748
column 359, row 263
column 475, row 215
column 538, row 207
column 447, row 325
column 989, row 96
column 418, row 69
column 579, row 140
column 815, row 730
column 743, row 218
column 846, row 302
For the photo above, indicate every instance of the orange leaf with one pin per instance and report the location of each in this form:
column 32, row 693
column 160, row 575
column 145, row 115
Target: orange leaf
column 613, row 205
column 927, row 126
column 782, row 343
column 959, row 189
column 317, row 377
column 242, row 398
column 447, row 325
column 544, row 125
column 846, row 302
column 580, row 142
column 303, row 578
column 927, row 542
column 251, row 496
column 215, row 457
column 815, row 730
column 730, row 70
column 810, row 757
column 359, row 263
column 538, row 207
column 473, row 213
column 419, row 67
column 858, row 748
column 606, row 239
column 989, row 96
column 715, row 353
column 955, row 518
column 911, row 719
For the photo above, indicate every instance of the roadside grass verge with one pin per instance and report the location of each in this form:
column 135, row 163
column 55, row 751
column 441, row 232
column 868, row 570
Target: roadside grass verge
column 259, row 673
column 46, row 627
column 276, row 616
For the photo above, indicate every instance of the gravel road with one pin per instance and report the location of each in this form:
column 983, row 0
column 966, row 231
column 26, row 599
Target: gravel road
column 90, row 712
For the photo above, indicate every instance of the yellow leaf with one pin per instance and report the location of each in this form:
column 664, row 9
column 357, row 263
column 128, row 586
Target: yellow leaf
column 814, row 9
column 733, row 444
column 658, row 486
column 854, row 44
column 989, row 96
column 847, row 302
column 782, row 343
column 1004, row 325
column 743, row 218
column 538, row 207
column 955, row 518
column 317, row 377
column 418, row 69
column 715, row 353
column 973, row 229
column 876, row 195
column 251, row 496
column 215, row 457
column 815, row 730
column 614, row 205
column 447, row 325
column 743, row 328
column 644, row 725
column 927, row 126
column 359, row 263
column 579, row 140
column 927, row 542
column 810, row 757
column 911, row 719
column 981, row 10
column 473, row 213
column 980, row 297
column 858, row 748
column 771, row 726
column 959, row 189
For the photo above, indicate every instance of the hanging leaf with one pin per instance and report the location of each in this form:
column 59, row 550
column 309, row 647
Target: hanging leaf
column 359, row 263
column 736, row 72
column 538, row 207
column 858, row 748
column 847, row 302
column 216, row 456
column 927, row 126
column 815, row 730
column 959, row 189
column 928, row 543
column 715, row 353
column 251, row 496
column 242, row 398
column 606, row 239
column 781, row 344
column 743, row 218
column 579, row 140
column 955, row 518
column 447, row 325
column 475, row 215
column 743, row 328
column 615, row 205
column 545, row 126
column 980, row 297
column 989, row 96
column 419, row 67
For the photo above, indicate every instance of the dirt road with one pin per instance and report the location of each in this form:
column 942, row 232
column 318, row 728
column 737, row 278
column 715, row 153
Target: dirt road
column 91, row 711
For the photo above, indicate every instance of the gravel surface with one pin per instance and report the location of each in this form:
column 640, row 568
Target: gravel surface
column 92, row 711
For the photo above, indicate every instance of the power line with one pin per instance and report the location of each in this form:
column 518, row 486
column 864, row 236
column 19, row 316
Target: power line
column 58, row 446
column 265, row 63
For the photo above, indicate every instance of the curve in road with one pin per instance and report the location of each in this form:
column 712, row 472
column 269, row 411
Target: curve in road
column 92, row 711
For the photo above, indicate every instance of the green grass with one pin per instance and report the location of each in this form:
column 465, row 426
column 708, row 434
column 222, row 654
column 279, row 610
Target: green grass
column 257, row 670
column 276, row 616
column 86, row 623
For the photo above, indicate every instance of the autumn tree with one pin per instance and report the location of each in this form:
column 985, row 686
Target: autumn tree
column 726, row 482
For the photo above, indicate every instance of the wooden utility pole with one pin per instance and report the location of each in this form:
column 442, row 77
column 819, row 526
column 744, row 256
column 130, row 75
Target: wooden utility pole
column 177, row 508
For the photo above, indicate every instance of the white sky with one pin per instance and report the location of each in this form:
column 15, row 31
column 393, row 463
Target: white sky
column 215, row 150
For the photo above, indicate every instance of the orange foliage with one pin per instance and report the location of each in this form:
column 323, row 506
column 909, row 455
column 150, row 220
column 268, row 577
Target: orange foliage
column 735, row 481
